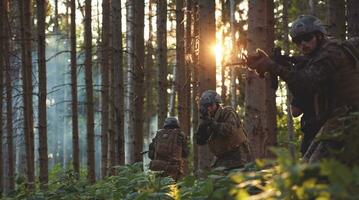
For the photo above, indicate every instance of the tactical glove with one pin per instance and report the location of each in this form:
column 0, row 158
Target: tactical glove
column 262, row 64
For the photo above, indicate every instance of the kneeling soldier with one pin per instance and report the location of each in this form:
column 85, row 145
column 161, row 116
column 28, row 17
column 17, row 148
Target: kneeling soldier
column 169, row 149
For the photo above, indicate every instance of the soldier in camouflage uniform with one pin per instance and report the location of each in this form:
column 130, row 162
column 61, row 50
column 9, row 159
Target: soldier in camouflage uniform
column 168, row 149
column 222, row 130
column 332, row 75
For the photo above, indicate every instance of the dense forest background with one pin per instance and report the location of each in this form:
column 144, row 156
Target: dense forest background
column 85, row 84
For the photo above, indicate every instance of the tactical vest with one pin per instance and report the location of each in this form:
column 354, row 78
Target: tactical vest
column 221, row 145
column 346, row 78
column 168, row 144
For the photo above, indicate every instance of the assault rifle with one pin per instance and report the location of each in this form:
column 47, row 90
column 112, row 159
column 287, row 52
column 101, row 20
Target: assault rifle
column 277, row 56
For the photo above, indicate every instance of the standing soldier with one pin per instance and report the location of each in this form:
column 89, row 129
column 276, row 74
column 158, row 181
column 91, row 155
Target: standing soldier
column 168, row 149
column 222, row 129
column 332, row 75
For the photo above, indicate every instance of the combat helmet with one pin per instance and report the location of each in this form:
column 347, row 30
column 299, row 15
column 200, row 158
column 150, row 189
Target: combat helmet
column 171, row 122
column 305, row 24
column 208, row 97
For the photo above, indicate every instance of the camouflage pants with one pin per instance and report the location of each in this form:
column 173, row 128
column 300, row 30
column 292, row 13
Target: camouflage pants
column 172, row 169
column 234, row 159
column 338, row 139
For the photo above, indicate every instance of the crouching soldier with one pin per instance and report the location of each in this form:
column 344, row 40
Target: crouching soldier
column 222, row 129
column 168, row 149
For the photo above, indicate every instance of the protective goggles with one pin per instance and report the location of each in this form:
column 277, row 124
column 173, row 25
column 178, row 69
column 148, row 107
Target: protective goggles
column 303, row 38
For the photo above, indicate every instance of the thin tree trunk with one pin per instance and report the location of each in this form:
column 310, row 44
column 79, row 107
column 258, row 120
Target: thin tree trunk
column 118, row 81
column 2, row 67
column 105, row 85
column 353, row 18
column 207, row 64
column 43, row 160
column 139, row 77
column 150, row 77
column 162, row 60
column 270, row 98
column 129, row 103
column 89, row 94
column 26, row 36
column 290, row 125
column 311, row 7
column 336, row 18
column 195, row 95
column 74, row 107
column 182, row 71
column 234, row 55
column 9, row 111
column 259, row 98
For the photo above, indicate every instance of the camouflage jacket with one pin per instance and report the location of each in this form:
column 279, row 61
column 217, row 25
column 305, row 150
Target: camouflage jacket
column 184, row 146
column 223, row 133
column 330, row 74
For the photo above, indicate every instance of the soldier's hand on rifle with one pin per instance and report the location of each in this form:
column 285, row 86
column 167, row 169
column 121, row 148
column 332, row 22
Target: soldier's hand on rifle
column 262, row 64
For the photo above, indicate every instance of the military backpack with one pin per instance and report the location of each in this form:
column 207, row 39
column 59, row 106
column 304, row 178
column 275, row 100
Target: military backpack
column 168, row 144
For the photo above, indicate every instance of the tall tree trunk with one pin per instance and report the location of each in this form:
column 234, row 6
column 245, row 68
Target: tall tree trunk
column 290, row 125
column 195, row 95
column 207, row 64
column 162, row 60
column 129, row 91
column 89, row 94
column 74, row 107
column 43, row 160
column 105, row 85
column 182, row 81
column 150, row 77
column 311, row 7
column 353, row 18
column 139, row 77
column 336, row 18
column 9, row 110
column 118, row 81
column 112, row 123
column 26, row 37
column 2, row 67
column 234, row 54
column 260, row 97
column 270, row 100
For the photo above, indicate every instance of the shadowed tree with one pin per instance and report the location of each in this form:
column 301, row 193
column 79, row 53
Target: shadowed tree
column 105, row 65
column 260, row 110
column 43, row 160
column 118, row 80
column 162, row 60
column 26, row 38
column 89, row 94
column 74, row 102
column 2, row 67
column 336, row 18
column 206, row 64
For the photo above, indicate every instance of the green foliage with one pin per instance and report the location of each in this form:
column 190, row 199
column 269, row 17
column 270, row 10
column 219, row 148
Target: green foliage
column 282, row 178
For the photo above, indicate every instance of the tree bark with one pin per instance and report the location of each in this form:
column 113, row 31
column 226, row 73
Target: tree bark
column 9, row 111
column 43, row 160
column 290, row 124
column 74, row 107
column 150, row 76
column 129, row 91
column 195, row 93
column 260, row 97
column 207, row 64
column 336, row 18
column 162, row 60
column 105, row 85
column 118, row 81
column 353, row 17
column 2, row 67
column 89, row 94
column 26, row 37
column 234, row 54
